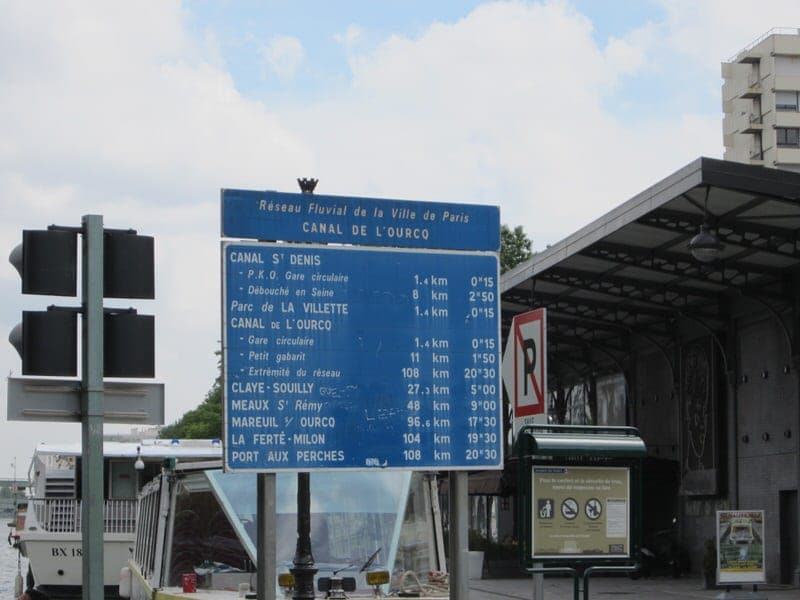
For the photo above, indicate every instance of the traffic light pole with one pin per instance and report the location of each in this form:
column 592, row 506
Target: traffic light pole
column 92, row 409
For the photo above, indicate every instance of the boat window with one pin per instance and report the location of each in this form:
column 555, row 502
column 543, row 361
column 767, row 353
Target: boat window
column 203, row 539
column 353, row 515
column 417, row 545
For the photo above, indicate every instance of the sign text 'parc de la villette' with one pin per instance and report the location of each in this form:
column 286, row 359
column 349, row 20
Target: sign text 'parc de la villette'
column 364, row 334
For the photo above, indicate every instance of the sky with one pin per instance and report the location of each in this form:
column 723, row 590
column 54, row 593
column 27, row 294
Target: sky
column 556, row 111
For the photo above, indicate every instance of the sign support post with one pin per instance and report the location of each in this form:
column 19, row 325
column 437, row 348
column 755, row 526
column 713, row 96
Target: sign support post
column 267, row 525
column 459, row 534
column 92, row 409
column 303, row 567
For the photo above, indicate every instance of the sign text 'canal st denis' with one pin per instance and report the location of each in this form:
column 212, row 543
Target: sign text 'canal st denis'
column 357, row 357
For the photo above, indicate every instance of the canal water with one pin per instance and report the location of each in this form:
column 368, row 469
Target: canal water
column 8, row 566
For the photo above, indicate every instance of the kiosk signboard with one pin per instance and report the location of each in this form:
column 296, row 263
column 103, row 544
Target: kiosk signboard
column 580, row 512
column 740, row 546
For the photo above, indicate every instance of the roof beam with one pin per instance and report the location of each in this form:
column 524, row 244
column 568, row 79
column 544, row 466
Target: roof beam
column 762, row 238
column 625, row 287
column 580, row 306
column 679, row 265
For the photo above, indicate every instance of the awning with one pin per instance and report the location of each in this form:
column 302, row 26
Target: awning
column 629, row 276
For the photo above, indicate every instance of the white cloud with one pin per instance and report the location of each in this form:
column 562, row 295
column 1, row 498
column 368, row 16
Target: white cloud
column 714, row 30
column 284, row 54
column 350, row 37
column 507, row 105
column 116, row 110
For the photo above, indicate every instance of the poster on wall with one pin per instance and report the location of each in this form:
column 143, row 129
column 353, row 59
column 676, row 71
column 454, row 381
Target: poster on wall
column 740, row 546
column 580, row 512
column 699, row 430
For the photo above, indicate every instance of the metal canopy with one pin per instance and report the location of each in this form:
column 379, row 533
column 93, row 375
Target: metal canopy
column 580, row 441
column 630, row 275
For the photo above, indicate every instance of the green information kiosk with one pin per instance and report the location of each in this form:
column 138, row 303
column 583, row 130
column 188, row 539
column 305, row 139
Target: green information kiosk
column 580, row 508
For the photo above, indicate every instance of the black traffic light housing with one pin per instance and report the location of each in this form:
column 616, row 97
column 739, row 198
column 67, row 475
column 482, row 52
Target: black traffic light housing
column 128, row 261
column 47, row 262
column 47, row 341
column 128, row 342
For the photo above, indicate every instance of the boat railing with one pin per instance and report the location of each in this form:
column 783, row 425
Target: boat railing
column 63, row 515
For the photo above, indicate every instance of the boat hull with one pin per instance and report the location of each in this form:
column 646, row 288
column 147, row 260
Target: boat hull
column 55, row 558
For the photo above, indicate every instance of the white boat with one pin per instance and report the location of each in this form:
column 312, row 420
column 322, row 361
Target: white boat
column 50, row 536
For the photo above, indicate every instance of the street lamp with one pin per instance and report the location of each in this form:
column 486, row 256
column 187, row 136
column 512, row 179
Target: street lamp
column 139, row 464
column 705, row 247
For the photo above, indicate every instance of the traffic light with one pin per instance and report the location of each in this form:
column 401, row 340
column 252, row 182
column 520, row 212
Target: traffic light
column 128, row 341
column 46, row 261
column 128, row 265
column 47, row 340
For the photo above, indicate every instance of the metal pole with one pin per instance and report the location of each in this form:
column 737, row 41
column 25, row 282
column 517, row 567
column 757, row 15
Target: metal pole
column 538, row 582
column 267, row 522
column 303, row 567
column 92, row 409
column 459, row 574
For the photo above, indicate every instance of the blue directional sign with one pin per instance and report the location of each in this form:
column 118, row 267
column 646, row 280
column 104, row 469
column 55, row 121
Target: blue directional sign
column 361, row 221
column 346, row 357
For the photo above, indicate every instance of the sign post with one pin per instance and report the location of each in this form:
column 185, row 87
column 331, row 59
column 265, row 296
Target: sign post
column 381, row 352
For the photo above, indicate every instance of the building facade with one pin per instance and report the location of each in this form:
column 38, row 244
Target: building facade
column 761, row 102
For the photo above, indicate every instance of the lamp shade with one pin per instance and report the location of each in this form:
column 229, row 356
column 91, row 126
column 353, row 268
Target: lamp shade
column 705, row 247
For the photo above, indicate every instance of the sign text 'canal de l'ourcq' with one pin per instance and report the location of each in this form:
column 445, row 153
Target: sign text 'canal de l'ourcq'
column 356, row 356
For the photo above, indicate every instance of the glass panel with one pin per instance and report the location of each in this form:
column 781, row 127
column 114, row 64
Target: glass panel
column 353, row 514
column 204, row 536
column 123, row 479
column 416, row 550
column 786, row 100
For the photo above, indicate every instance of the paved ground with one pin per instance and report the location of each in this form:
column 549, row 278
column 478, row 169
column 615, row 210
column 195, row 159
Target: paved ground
column 613, row 587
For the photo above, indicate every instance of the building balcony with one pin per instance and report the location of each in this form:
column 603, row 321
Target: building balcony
column 752, row 91
column 754, row 123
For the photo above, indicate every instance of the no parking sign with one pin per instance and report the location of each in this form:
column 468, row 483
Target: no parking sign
column 525, row 369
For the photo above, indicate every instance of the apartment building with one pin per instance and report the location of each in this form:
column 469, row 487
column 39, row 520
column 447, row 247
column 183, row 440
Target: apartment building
column 761, row 102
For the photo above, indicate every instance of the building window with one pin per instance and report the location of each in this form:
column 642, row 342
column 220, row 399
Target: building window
column 788, row 137
column 787, row 100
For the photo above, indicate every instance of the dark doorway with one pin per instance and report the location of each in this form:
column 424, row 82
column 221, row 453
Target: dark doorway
column 788, row 528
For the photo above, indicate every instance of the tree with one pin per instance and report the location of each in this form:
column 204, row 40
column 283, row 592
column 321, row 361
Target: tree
column 205, row 421
column 515, row 247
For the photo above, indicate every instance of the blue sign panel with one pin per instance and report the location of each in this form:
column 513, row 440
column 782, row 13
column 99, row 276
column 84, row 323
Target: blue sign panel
column 360, row 221
column 360, row 358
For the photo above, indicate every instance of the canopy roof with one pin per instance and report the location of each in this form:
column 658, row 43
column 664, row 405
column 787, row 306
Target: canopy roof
column 631, row 274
